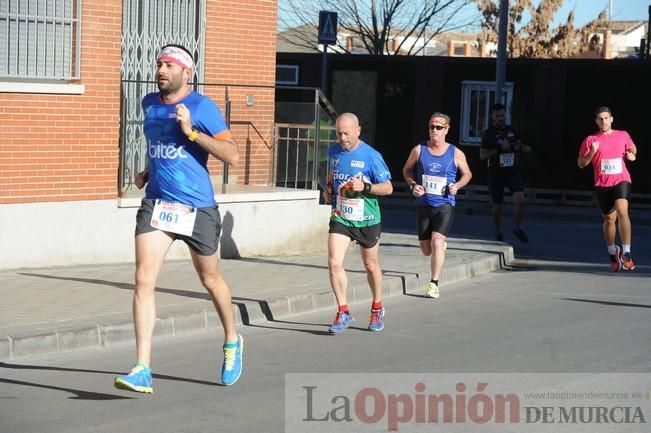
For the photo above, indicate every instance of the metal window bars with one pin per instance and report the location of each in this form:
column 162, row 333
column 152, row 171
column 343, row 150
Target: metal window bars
column 40, row 40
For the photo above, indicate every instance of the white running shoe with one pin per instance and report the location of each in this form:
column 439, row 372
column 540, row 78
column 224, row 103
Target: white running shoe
column 432, row 291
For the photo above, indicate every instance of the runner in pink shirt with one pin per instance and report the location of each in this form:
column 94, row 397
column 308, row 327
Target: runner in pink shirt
column 608, row 150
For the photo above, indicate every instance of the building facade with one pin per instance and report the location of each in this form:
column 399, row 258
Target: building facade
column 71, row 137
column 62, row 131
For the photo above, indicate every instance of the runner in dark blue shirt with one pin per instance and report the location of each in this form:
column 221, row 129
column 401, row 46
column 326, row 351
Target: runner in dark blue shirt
column 500, row 147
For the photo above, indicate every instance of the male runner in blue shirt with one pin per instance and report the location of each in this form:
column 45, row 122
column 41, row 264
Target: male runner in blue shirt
column 182, row 129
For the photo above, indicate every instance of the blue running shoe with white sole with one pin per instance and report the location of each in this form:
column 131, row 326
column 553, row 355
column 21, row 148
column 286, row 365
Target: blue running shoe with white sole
column 376, row 321
column 138, row 380
column 342, row 321
column 232, row 367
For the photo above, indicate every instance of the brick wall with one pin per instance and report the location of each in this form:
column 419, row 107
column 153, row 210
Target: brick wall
column 66, row 147
column 241, row 52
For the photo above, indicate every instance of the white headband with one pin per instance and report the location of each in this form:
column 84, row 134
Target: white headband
column 176, row 55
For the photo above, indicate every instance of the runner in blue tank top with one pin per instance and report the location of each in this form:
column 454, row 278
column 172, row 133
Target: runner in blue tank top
column 182, row 129
column 431, row 173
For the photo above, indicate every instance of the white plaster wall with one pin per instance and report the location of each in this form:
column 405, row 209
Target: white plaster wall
column 82, row 232
column 273, row 223
column 626, row 43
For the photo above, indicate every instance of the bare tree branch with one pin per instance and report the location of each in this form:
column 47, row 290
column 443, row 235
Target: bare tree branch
column 378, row 27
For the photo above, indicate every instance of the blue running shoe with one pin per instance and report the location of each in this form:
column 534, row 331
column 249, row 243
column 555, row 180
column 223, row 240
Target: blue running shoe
column 342, row 321
column 376, row 321
column 232, row 367
column 138, row 380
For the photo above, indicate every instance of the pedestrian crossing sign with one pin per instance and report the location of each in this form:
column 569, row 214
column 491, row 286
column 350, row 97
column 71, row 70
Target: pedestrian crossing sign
column 327, row 27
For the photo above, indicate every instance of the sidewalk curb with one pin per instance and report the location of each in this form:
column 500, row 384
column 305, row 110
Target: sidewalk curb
column 176, row 321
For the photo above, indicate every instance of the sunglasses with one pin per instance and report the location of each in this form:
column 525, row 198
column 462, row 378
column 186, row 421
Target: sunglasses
column 437, row 127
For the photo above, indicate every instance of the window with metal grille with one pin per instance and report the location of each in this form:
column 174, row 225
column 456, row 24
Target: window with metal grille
column 40, row 39
column 477, row 98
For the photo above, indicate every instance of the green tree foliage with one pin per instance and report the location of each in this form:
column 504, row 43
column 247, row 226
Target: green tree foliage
column 536, row 38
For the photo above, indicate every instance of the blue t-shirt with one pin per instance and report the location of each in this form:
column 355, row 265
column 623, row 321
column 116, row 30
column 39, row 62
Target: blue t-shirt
column 363, row 162
column 429, row 170
column 177, row 167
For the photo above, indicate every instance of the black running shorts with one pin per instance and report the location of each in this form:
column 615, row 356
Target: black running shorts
column 366, row 237
column 498, row 181
column 434, row 219
column 606, row 196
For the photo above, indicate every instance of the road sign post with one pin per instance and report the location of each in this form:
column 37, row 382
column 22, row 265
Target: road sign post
column 327, row 36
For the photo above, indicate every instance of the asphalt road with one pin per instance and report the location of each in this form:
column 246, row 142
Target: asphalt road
column 558, row 309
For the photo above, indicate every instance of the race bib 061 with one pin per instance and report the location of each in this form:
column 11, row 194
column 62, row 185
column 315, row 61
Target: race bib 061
column 173, row 217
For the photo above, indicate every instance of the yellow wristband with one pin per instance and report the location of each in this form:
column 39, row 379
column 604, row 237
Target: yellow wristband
column 194, row 135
